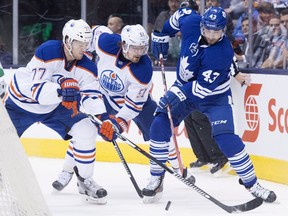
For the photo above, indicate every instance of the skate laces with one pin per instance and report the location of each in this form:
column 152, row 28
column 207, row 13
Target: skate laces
column 259, row 191
column 91, row 184
column 64, row 177
column 154, row 182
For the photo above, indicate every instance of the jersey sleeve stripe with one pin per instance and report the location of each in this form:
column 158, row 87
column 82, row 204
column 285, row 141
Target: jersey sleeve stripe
column 202, row 92
column 132, row 108
column 16, row 93
column 173, row 21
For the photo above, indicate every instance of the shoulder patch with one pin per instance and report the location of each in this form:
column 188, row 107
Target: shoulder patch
column 88, row 65
column 109, row 43
column 142, row 70
column 50, row 50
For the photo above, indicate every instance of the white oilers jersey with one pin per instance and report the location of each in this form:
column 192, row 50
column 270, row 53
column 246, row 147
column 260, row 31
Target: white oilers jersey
column 126, row 85
column 34, row 88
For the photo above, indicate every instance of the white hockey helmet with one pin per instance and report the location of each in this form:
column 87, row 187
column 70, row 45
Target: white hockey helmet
column 77, row 30
column 134, row 35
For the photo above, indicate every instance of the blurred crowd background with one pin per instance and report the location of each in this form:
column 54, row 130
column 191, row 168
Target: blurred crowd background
column 25, row 25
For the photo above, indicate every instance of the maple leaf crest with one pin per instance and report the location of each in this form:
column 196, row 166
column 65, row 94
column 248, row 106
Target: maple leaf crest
column 184, row 73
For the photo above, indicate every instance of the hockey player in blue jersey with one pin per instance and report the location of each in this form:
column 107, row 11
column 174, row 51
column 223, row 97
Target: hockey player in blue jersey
column 49, row 89
column 203, row 83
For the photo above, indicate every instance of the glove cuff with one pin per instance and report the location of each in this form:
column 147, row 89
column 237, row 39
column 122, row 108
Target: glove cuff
column 122, row 123
column 103, row 116
column 160, row 37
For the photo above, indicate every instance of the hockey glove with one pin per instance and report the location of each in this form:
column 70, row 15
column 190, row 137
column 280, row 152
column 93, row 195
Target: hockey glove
column 172, row 97
column 70, row 93
column 160, row 44
column 111, row 125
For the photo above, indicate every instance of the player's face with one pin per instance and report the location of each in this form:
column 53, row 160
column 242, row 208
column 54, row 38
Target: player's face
column 78, row 49
column 134, row 53
column 212, row 36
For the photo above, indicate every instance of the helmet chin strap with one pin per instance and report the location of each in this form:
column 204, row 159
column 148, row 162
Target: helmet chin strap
column 125, row 51
column 70, row 48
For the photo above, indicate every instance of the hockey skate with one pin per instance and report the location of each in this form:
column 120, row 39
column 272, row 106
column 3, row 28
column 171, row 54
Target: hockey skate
column 153, row 191
column 63, row 180
column 198, row 166
column 93, row 192
column 258, row 191
column 187, row 175
column 220, row 168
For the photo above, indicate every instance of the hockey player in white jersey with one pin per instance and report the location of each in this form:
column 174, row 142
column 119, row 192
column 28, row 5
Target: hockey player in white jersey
column 49, row 89
column 125, row 76
column 203, row 83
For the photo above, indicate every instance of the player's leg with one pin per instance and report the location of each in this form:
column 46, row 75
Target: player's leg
column 231, row 145
column 144, row 121
column 20, row 118
column 159, row 148
column 81, row 153
column 240, row 161
column 195, row 142
column 210, row 148
column 160, row 135
column 84, row 134
column 145, row 118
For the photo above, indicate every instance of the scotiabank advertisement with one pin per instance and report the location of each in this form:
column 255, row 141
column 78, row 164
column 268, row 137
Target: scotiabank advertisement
column 262, row 115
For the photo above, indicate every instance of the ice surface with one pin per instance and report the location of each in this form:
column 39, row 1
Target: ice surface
column 123, row 200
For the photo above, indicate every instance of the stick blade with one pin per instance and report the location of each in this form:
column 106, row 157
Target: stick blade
column 252, row 204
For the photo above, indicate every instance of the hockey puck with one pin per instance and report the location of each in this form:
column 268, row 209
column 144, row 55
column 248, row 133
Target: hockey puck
column 168, row 205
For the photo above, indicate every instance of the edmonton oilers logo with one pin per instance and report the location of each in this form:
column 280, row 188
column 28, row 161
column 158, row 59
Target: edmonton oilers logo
column 110, row 80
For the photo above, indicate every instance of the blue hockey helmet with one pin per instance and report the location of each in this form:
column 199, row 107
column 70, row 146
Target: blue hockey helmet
column 214, row 19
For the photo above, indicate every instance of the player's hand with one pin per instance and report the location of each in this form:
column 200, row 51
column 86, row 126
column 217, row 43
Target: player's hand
column 111, row 125
column 160, row 44
column 243, row 78
column 70, row 93
column 174, row 96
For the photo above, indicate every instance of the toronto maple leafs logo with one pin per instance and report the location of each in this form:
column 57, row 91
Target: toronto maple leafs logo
column 110, row 80
column 184, row 72
column 193, row 49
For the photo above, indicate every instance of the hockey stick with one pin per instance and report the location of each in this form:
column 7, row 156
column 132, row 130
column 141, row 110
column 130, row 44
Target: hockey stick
column 252, row 204
column 138, row 190
column 180, row 162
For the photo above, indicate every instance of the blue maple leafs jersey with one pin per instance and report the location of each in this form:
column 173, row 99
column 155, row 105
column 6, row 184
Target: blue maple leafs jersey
column 205, row 67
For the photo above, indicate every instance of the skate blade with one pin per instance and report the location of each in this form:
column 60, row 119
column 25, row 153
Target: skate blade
column 152, row 199
column 97, row 201
column 203, row 169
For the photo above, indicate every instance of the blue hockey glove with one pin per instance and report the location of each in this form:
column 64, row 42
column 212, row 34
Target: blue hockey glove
column 174, row 96
column 70, row 93
column 111, row 125
column 160, row 44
